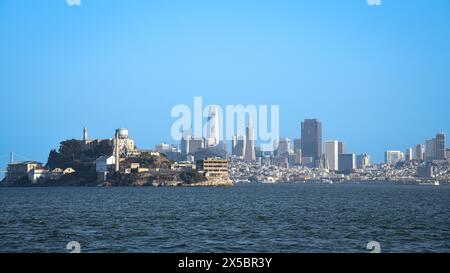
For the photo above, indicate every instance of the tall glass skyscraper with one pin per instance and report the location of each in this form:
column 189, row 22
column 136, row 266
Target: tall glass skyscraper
column 440, row 146
column 312, row 140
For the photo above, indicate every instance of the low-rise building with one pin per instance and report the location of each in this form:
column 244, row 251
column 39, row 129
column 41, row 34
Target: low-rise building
column 16, row 171
column 105, row 164
column 214, row 168
column 38, row 173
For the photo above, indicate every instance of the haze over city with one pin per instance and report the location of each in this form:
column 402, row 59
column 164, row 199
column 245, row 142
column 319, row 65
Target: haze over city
column 376, row 76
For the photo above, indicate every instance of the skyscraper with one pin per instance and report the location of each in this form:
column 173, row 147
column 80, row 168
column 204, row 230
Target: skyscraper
column 440, row 146
column 409, row 154
column 311, row 132
column 331, row 155
column 250, row 142
column 430, row 150
column 342, row 148
column 238, row 146
column 420, row 152
column 212, row 127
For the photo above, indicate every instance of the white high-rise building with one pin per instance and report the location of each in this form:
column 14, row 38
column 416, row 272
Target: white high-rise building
column 409, row 154
column 332, row 154
column 212, row 127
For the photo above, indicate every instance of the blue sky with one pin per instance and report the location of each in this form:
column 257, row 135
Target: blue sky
column 377, row 77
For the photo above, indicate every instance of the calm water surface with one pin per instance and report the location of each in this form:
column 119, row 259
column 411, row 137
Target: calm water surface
column 245, row 218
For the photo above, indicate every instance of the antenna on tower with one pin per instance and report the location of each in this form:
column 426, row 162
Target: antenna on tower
column 11, row 159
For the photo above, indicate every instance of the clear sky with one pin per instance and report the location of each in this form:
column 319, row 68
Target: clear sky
column 376, row 76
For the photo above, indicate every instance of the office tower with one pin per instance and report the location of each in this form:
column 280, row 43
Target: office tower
column 311, row 131
column 212, row 127
column 250, row 142
column 342, row 148
column 297, row 144
column 362, row 161
column 393, row 157
column 284, row 146
column 430, row 150
column 447, row 154
column 331, row 155
column 440, row 146
column 238, row 146
column 347, row 163
column 420, row 152
column 409, row 154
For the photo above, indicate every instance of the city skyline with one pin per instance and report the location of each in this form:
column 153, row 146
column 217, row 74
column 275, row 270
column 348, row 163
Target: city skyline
column 371, row 91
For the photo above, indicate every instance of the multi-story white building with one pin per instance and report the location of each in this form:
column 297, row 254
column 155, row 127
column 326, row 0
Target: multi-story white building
column 332, row 155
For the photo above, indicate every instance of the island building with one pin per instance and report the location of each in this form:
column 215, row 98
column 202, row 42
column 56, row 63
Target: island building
column 214, row 169
column 19, row 170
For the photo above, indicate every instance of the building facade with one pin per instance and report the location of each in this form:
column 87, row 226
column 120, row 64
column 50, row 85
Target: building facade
column 332, row 155
column 311, row 131
column 347, row 163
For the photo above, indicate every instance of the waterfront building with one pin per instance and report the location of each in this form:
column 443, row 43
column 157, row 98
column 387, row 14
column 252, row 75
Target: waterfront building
column 347, row 163
column 37, row 173
column 311, row 131
column 332, row 155
column 420, row 152
column 19, row 170
column 393, row 157
column 249, row 154
column 214, row 168
column 362, row 161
